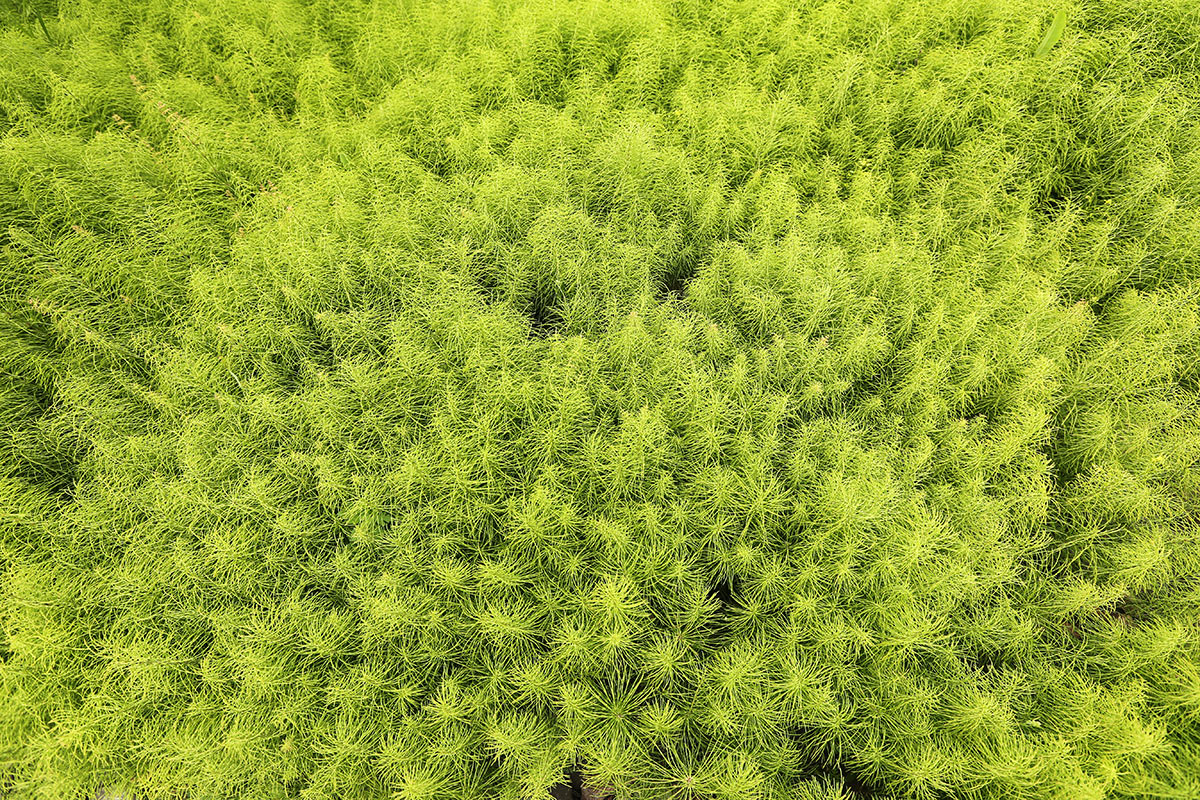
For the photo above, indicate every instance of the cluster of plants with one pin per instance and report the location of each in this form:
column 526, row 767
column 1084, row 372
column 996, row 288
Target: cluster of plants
column 767, row 399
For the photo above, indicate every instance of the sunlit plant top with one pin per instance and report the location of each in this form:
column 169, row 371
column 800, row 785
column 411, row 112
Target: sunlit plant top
column 672, row 400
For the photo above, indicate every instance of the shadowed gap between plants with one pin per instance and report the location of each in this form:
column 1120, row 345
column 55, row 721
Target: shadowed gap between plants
column 725, row 591
column 544, row 318
column 1128, row 611
column 575, row 787
column 56, row 470
column 680, row 271
column 825, row 764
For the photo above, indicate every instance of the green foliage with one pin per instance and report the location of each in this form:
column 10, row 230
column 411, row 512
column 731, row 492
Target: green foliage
column 1053, row 33
column 721, row 399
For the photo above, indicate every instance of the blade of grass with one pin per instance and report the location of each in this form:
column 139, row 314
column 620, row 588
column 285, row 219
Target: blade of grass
column 1053, row 34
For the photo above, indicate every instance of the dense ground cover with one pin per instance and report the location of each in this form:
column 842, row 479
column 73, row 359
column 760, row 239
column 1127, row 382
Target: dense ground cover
column 723, row 400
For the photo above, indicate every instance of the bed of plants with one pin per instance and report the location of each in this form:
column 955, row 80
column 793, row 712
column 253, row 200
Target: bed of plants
column 736, row 400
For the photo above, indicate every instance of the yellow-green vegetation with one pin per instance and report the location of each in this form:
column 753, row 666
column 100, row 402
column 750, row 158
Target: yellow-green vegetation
column 738, row 400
